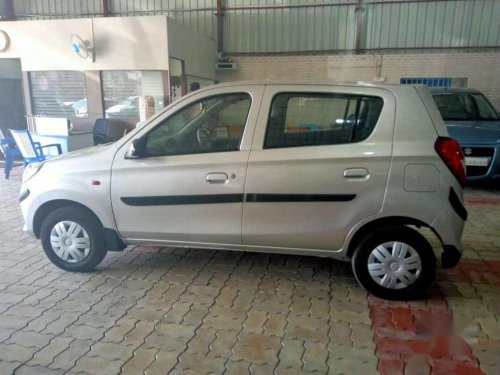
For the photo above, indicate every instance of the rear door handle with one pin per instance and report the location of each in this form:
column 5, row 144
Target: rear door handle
column 217, row 178
column 356, row 173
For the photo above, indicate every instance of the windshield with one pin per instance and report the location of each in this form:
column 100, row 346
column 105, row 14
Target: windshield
column 465, row 107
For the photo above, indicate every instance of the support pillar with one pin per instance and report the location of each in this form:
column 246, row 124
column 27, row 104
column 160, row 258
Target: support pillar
column 9, row 12
column 359, row 26
column 220, row 27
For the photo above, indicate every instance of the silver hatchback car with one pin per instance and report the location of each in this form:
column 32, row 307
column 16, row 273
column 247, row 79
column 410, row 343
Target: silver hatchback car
column 343, row 171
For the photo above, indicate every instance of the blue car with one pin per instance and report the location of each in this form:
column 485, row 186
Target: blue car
column 473, row 121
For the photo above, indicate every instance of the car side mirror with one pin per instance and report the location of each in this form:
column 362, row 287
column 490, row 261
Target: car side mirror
column 136, row 149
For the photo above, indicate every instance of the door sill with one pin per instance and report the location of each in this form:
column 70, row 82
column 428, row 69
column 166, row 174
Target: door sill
column 334, row 254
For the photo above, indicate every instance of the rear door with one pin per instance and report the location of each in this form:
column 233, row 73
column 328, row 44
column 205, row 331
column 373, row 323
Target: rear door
column 319, row 163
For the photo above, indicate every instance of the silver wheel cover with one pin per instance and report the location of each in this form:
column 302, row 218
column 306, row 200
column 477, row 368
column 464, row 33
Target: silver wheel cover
column 394, row 265
column 70, row 241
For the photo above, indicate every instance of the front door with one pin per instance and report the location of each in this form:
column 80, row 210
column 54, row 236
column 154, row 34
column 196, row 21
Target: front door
column 188, row 184
column 319, row 164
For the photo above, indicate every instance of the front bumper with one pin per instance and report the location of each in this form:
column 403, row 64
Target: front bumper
column 22, row 197
column 24, row 194
column 492, row 171
column 29, row 204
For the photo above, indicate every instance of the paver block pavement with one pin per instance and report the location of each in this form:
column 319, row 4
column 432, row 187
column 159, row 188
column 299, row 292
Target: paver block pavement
column 151, row 310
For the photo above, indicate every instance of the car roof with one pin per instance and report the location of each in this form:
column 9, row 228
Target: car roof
column 453, row 90
column 313, row 83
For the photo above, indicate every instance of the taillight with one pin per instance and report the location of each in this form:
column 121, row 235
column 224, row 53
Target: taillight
column 450, row 151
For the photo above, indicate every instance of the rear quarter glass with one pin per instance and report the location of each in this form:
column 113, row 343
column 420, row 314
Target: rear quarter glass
column 432, row 109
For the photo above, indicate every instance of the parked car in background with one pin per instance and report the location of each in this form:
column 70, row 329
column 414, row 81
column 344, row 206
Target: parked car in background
column 473, row 121
column 266, row 167
column 126, row 108
column 81, row 108
column 129, row 108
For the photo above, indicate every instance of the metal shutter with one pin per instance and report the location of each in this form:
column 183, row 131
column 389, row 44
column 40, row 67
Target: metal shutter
column 54, row 93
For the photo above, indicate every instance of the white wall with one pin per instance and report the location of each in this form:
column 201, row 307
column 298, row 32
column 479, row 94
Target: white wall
column 482, row 69
column 129, row 43
column 121, row 43
column 198, row 52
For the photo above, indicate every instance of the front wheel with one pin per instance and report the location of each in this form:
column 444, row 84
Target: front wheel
column 72, row 239
column 394, row 263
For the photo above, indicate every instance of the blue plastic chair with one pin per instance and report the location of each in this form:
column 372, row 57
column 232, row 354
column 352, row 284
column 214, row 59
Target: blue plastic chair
column 10, row 151
column 32, row 152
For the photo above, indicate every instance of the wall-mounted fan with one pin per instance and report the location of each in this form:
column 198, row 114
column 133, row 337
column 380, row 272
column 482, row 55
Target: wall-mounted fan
column 4, row 41
column 82, row 48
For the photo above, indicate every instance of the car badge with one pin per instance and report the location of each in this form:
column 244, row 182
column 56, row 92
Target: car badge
column 467, row 151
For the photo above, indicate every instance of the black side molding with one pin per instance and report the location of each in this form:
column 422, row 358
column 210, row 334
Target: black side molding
column 171, row 200
column 457, row 205
column 266, row 198
column 113, row 241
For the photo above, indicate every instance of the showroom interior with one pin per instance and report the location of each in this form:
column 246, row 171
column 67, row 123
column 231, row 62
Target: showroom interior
column 83, row 82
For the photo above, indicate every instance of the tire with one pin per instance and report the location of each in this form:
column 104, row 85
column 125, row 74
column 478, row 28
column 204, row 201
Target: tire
column 84, row 250
column 406, row 279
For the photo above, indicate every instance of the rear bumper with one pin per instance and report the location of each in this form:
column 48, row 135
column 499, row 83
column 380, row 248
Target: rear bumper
column 450, row 221
column 450, row 256
column 452, row 249
column 458, row 207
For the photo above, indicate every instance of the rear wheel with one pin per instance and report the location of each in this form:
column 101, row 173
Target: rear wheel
column 72, row 239
column 394, row 263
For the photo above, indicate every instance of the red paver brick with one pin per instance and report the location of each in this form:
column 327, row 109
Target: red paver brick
column 433, row 322
column 391, row 366
column 422, row 329
column 482, row 200
column 474, row 271
column 403, row 319
column 445, row 367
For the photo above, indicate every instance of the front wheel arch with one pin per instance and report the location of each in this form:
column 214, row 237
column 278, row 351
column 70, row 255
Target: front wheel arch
column 47, row 207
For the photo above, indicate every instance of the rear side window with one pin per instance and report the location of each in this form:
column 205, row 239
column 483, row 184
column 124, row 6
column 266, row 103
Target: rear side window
column 311, row 119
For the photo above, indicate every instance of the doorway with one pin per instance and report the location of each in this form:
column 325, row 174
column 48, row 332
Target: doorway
column 12, row 109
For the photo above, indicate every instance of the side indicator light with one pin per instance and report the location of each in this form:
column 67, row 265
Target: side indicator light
column 95, row 182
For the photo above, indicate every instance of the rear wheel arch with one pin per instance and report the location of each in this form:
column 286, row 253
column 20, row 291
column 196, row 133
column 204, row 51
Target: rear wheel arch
column 377, row 224
column 47, row 207
column 396, row 263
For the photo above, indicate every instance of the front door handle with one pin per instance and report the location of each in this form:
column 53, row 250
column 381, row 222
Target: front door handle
column 217, row 178
column 356, row 173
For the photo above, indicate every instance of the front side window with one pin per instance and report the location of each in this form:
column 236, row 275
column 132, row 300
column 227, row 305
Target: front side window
column 58, row 94
column 304, row 119
column 214, row 124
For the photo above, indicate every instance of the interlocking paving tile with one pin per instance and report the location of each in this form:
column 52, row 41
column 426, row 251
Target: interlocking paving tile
column 141, row 359
column 163, row 363
column 151, row 310
column 401, row 332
